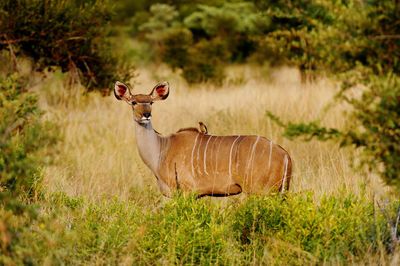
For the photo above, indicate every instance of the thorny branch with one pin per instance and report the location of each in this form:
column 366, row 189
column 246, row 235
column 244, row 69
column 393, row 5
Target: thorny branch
column 13, row 57
column 393, row 227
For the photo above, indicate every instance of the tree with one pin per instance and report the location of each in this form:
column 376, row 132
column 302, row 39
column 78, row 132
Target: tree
column 69, row 34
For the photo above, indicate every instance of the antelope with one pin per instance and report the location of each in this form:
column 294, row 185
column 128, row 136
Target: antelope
column 209, row 165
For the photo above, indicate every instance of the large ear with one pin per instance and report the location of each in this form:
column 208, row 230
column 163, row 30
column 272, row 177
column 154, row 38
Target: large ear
column 122, row 92
column 160, row 91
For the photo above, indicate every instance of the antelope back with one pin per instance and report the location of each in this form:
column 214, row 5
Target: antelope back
column 213, row 165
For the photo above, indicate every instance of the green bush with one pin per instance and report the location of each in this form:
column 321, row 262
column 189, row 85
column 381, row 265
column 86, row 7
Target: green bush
column 334, row 36
column 23, row 138
column 336, row 227
column 237, row 24
column 67, row 34
column 205, row 62
column 203, row 41
column 184, row 231
column 256, row 230
column 313, row 35
column 177, row 45
column 24, row 141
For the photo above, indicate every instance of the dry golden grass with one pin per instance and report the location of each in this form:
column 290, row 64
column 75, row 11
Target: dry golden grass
column 98, row 155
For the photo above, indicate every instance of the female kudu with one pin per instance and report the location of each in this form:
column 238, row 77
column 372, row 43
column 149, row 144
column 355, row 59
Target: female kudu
column 207, row 164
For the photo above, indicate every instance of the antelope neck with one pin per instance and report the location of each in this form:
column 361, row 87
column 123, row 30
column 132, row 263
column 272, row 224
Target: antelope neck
column 148, row 143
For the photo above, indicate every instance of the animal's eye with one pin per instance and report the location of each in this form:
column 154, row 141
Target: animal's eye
column 133, row 103
column 151, row 103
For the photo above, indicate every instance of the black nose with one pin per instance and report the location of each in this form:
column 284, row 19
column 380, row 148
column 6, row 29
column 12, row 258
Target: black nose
column 147, row 115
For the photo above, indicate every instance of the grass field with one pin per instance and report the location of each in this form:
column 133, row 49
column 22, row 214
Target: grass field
column 101, row 205
column 99, row 156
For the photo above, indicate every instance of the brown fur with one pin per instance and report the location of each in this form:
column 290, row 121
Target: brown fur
column 225, row 168
column 188, row 129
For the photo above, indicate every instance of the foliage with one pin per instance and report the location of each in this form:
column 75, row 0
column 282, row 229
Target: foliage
column 201, row 42
column 237, row 24
column 335, row 228
column 69, row 34
column 162, row 18
column 183, row 230
column 23, row 136
column 190, row 232
column 205, row 62
column 24, row 140
column 335, row 36
column 314, row 35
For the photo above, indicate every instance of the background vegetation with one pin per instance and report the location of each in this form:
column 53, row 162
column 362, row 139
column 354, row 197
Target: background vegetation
column 71, row 35
column 74, row 190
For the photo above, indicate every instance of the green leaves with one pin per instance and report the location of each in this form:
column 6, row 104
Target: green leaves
column 336, row 227
column 66, row 34
column 22, row 136
column 315, row 36
column 183, row 230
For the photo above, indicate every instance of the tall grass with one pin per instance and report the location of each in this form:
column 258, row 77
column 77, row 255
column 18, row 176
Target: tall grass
column 98, row 155
column 185, row 231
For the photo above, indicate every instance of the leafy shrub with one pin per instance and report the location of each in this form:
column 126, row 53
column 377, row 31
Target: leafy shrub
column 68, row 34
column 313, row 35
column 104, row 228
column 177, row 45
column 201, row 43
column 205, row 62
column 185, row 231
column 336, row 227
column 24, row 139
column 237, row 24
column 334, row 36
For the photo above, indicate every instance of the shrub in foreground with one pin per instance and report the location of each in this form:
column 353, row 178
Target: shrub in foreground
column 23, row 139
column 335, row 228
column 183, row 230
column 257, row 230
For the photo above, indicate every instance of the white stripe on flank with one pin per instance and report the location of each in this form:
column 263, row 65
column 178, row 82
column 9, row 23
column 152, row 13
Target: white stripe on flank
column 198, row 154
column 285, row 162
column 270, row 154
column 238, row 156
column 205, row 155
column 194, row 146
column 216, row 163
column 252, row 157
column 230, row 158
column 216, row 155
column 216, row 137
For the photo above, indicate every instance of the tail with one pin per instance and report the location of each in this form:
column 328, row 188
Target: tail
column 285, row 166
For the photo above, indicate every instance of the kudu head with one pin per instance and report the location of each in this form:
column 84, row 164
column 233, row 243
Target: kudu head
column 141, row 103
